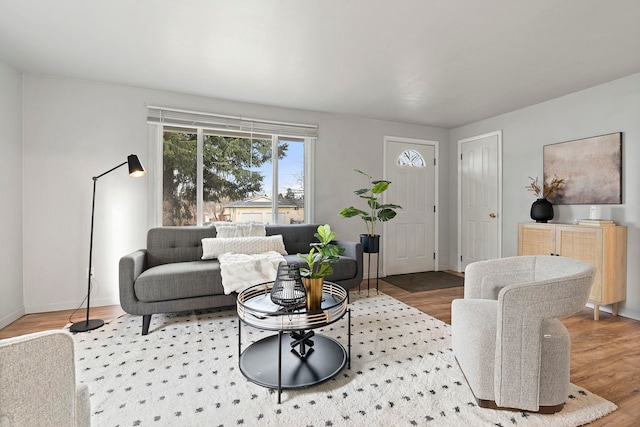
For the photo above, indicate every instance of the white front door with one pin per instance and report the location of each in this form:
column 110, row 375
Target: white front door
column 409, row 240
column 480, row 223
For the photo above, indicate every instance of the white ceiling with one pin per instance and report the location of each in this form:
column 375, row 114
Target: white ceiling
column 432, row 62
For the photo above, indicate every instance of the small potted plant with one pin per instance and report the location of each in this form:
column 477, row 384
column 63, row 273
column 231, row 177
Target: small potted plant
column 318, row 261
column 376, row 212
column 542, row 209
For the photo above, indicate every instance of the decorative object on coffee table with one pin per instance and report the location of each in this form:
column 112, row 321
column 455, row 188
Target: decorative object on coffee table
column 319, row 260
column 288, row 290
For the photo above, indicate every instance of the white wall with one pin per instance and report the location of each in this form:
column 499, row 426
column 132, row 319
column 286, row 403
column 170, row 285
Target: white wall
column 11, row 300
column 608, row 108
column 74, row 130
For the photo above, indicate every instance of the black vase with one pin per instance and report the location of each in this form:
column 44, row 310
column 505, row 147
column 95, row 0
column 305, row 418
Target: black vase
column 370, row 244
column 542, row 210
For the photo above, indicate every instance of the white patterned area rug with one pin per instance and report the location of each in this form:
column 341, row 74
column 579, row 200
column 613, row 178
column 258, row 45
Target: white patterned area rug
column 185, row 373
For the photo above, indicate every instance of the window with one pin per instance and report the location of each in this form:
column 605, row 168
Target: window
column 213, row 174
column 411, row 158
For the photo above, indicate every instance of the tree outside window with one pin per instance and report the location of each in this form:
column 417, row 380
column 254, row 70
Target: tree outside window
column 236, row 170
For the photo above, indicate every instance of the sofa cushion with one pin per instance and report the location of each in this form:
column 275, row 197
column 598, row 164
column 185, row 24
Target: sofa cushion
column 239, row 229
column 213, row 247
column 178, row 281
column 176, row 244
column 296, row 237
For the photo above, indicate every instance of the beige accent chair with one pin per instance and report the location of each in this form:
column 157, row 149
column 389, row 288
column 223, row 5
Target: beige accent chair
column 38, row 382
column 511, row 347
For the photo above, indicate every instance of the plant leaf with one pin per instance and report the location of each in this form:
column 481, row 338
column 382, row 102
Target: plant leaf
column 351, row 212
column 386, row 215
column 380, row 186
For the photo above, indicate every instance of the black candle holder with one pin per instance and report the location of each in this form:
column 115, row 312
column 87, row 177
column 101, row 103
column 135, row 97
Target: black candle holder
column 288, row 290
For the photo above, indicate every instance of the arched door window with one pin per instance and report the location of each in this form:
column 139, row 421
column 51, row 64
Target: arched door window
column 411, row 158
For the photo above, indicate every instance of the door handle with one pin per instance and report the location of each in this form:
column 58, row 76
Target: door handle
column 492, row 215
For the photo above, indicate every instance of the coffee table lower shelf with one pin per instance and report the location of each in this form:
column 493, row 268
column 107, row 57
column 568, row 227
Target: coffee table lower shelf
column 259, row 362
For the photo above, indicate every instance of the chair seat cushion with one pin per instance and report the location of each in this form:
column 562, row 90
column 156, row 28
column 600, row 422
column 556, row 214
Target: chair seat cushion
column 179, row 280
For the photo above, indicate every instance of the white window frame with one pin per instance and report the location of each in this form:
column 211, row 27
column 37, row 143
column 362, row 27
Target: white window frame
column 155, row 162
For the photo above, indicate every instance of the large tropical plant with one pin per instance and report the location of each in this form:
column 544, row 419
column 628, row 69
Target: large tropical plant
column 376, row 211
column 321, row 255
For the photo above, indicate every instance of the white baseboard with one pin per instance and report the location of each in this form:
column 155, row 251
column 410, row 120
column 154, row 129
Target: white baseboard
column 71, row 305
column 12, row 317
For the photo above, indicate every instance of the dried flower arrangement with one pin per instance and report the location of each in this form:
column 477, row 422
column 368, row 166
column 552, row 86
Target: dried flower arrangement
column 547, row 189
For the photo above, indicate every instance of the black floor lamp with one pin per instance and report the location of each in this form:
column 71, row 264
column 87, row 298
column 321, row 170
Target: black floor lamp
column 135, row 170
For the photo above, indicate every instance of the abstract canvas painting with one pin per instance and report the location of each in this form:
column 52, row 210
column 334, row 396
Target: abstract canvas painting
column 591, row 168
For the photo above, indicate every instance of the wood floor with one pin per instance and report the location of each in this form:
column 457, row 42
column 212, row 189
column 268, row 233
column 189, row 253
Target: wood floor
column 605, row 354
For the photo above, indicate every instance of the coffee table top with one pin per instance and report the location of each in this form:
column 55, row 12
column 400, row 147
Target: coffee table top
column 255, row 308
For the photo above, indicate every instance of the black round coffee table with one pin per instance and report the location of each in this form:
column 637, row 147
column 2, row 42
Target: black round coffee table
column 299, row 358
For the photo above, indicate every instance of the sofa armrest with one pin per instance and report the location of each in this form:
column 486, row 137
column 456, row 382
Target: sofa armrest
column 350, row 248
column 131, row 266
column 353, row 250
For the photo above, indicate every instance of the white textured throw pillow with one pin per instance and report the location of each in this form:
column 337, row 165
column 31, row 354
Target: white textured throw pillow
column 239, row 229
column 214, row 246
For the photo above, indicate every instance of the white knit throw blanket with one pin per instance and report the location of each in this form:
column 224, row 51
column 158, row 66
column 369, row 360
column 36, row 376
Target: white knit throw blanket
column 240, row 271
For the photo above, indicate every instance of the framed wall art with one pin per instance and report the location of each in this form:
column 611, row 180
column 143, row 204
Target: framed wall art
column 591, row 168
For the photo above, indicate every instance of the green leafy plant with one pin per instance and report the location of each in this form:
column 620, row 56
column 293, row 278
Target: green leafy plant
column 376, row 212
column 321, row 255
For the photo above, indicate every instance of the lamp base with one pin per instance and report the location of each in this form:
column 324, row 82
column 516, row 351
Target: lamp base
column 86, row 325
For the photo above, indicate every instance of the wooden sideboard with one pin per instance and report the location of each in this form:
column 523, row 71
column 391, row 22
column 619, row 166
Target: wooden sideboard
column 605, row 247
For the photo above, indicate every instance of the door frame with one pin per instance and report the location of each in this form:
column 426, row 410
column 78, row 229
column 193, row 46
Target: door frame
column 385, row 174
column 498, row 134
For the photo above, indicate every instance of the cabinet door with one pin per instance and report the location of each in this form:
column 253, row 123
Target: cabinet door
column 584, row 244
column 536, row 239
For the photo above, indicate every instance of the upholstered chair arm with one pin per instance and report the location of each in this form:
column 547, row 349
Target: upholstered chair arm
column 83, row 406
column 131, row 266
column 38, row 385
column 522, row 309
column 485, row 279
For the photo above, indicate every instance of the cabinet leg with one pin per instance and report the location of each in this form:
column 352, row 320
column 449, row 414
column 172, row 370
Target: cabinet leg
column 614, row 309
column 596, row 311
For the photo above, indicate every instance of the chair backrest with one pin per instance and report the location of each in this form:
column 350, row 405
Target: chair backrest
column 37, row 380
column 485, row 279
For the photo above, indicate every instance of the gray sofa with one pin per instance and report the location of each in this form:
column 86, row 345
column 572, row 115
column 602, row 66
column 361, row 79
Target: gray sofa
column 170, row 276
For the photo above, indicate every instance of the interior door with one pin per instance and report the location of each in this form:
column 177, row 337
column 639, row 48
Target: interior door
column 480, row 222
column 409, row 239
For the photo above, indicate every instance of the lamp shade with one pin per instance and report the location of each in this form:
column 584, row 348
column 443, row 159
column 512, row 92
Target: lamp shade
column 135, row 166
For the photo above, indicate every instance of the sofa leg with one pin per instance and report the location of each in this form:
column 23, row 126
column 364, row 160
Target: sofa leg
column 146, row 321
